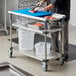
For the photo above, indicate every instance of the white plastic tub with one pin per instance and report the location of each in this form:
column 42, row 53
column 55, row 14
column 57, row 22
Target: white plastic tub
column 40, row 48
column 26, row 39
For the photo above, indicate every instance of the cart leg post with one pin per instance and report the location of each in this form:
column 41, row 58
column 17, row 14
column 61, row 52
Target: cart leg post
column 62, row 60
column 45, row 61
column 5, row 21
column 11, row 48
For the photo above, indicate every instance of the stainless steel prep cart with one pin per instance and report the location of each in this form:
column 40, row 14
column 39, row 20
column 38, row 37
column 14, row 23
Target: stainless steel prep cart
column 44, row 32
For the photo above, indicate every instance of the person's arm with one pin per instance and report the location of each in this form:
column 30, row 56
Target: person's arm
column 48, row 7
column 45, row 8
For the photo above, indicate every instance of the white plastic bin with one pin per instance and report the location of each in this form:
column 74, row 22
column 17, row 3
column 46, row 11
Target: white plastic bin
column 26, row 39
column 40, row 48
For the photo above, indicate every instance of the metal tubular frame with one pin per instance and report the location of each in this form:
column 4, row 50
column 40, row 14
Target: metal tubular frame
column 45, row 60
column 5, row 23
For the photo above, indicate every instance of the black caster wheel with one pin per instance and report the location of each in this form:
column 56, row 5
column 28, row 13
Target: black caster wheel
column 61, row 61
column 44, row 66
column 6, row 33
column 66, row 57
column 10, row 54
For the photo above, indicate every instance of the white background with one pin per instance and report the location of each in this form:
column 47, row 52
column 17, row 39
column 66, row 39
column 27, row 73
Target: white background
column 73, row 13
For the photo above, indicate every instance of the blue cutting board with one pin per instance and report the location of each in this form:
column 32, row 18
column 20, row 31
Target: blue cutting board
column 37, row 14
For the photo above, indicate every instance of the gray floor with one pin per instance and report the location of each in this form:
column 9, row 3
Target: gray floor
column 33, row 66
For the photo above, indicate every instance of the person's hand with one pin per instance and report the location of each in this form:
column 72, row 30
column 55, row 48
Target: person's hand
column 39, row 9
column 39, row 3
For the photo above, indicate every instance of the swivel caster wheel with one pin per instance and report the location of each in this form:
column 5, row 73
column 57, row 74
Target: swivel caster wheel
column 44, row 66
column 10, row 52
column 66, row 57
column 6, row 33
column 62, row 61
